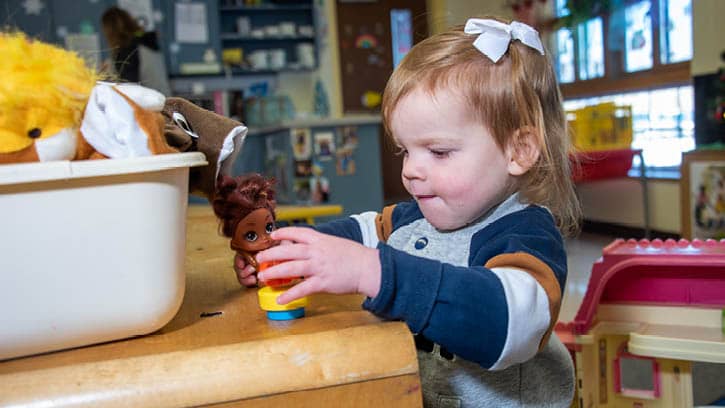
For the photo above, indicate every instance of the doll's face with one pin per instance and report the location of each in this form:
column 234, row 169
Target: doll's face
column 252, row 232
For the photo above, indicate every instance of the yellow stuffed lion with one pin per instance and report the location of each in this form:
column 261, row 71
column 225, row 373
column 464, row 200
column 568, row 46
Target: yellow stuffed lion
column 52, row 107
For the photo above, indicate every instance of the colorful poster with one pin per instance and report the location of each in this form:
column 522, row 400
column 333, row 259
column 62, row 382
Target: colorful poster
column 345, row 154
column 401, row 32
column 303, row 168
column 707, row 195
column 324, row 145
column 320, row 187
column 302, row 190
column 301, row 143
column 345, row 165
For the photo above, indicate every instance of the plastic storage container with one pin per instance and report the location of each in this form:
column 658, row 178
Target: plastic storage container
column 91, row 251
column 605, row 126
column 604, row 164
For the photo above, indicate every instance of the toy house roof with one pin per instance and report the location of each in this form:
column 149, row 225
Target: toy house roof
column 655, row 272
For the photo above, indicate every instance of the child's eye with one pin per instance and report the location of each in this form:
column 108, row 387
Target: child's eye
column 269, row 227
column 441, row 154
column 250, row 236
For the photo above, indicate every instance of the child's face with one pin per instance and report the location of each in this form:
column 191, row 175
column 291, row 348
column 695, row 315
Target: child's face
column 252, row 232
column 452, row 165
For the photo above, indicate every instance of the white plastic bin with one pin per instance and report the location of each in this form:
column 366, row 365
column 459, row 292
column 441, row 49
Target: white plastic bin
column 90, row 251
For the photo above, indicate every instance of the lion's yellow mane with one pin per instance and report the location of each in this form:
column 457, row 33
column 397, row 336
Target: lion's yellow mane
column 43, row 87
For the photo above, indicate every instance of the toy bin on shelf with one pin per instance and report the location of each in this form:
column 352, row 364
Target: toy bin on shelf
column 603, row 164
column 605, row 126
column 92, row 251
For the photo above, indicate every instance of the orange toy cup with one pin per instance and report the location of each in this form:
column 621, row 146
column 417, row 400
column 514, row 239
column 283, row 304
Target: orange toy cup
column 273, row 282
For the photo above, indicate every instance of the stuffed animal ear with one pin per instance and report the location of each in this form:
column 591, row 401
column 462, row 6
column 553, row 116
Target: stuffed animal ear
column 191, row 128
column 144, row 97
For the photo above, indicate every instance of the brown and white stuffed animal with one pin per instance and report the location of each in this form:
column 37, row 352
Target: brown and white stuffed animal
column 191, row 128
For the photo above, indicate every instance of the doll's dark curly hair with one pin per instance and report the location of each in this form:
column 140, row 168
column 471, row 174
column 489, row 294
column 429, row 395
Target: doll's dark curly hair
column 236, row 197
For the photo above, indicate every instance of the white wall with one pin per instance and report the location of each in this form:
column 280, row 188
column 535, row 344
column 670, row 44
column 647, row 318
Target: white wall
column 451, row 12
column 619, row 201
column 708, row 35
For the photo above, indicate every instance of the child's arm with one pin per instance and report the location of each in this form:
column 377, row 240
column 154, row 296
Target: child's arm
column 497, row 314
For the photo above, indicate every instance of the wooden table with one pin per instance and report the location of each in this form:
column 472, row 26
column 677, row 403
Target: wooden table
column 220, row 349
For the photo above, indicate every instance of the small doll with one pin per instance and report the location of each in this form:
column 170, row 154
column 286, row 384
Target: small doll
column 245, row 207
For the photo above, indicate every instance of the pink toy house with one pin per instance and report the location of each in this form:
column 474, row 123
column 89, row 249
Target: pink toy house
column 651, row 309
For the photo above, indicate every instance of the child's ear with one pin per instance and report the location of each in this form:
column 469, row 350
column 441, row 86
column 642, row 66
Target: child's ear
column 523, row 150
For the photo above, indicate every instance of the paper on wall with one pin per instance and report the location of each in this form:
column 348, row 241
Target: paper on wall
column 191, row 24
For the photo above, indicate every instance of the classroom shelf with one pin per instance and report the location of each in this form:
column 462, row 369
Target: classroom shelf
column 237, row 37
column 268, row 8
column 250, row 32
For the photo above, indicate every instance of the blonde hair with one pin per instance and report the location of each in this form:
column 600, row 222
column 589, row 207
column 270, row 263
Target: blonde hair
column 45, row 88
column 519, row 91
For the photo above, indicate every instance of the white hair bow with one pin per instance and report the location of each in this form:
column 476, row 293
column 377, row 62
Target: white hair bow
column 495, row 36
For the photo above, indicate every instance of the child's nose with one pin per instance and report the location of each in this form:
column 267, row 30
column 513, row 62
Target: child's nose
column 412, row 170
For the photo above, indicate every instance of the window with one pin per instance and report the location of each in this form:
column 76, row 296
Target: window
column 591, row 47
column 636, row 53
column 662, row 122
column 565, row 55
column 638, row 37
column 636, row 376
column 676, row 31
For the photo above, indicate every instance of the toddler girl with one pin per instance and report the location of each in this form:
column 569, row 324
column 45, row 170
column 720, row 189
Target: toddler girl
column 475, row 263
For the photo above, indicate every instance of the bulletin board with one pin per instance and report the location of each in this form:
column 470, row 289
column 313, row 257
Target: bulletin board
column 366, row 30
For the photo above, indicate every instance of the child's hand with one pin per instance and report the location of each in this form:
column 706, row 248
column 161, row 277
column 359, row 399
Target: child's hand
column 327, row 263
column 246, row 274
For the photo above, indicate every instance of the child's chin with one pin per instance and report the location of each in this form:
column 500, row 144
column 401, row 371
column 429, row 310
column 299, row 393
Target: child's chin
column 442, row 223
